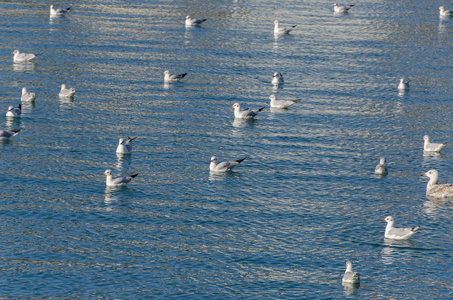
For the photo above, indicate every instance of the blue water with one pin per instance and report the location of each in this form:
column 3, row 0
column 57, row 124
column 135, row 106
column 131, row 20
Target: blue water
column 283, row 224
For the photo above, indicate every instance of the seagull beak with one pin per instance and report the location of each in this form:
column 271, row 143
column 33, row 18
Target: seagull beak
column 423, row 174
column 382, row 220
column 103, row 173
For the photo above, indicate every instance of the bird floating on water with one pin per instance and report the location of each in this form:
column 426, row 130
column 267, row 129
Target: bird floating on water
column 281, row 103
column 224, row 166
column 282, row 30
column 398, row 233
column 27, row 96
column 404, row 84
column 432, row 147
column 278, row 78
column 117, row 181
column 434, row 189
column 246, row 113
column 14, row 111
column 381, row 168
column 125, row 145
column 66, row 92
column 58, row 11
column 193, row 21
column 22, row 57
column 349, row 275
column 342, row 9
column 6, row 134
column 173, row 77
column 445, row 12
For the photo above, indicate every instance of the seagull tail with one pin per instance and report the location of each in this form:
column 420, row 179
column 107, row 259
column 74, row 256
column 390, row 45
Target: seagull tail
column 68, row 9
column 415, row 229
column 297, row 100
column 20, row 106
column 129, row 139
column 240, row 160
column 16, row 130
column 261, row 108
column 294, row 26
column 182, row 75
column 134, row 175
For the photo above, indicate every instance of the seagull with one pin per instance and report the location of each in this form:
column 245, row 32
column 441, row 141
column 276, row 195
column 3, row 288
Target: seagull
column 282, row 103
column 125, row 146
column 277, row 78
column 434, row 189
column 432, row 147
column 381, row 168
column 118, row 181
column 193, row 22
column 14, row 111
column 6, row 134
column 173, row 77
column 350, row 276
column 342, row 9
column 27, row 96
column 58, row 11
column 279, row 30
column 246, row 113
column 22, row 57
column 66, row 92
column 445, row 12
column 223, row 166
column 398, row 233
column 404, row 84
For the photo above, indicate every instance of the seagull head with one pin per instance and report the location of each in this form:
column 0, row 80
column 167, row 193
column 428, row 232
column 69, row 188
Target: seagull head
column 431, row 174
column 335, row 4
column 214, row 159
column 15, row 52
column 272, row 97
column 275, row 22
column 187, row 17
column 166, row 72
column 107, row 172
column 426, row 137
column 121, row 141
column 236, row 105
column 388, row 219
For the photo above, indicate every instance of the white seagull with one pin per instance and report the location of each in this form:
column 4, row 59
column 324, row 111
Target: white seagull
column 66, row 92
column 14, row 111
column 342, row 9
column 432, row 147
column 193, row 22
column 22, row 57
column 281, row 30
column 398, row 233
column 404, row 84
column 434, row 189
column 26, row 95
column 223, row 166
column 282, row 103
column 445, row 12
column 246, row 113
column 381, row 168
column 277, row 78
column 349, row 275
column 173, row 77
column 6, row 134
column 117, row 181
column 58, row 11
column 125, row 146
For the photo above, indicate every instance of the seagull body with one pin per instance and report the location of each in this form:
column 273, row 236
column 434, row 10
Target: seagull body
column 193, row 22
column 398, row 233
column 22, row 57
column 223, row 166
column 27, row 96
column 342, row 9
column 282, row 103
column 173, row 77
column 432, row 147
column 282, row 30
column 445, row 12
column 434, row 189
column 125, row 146
column 6, row 134
column 404, row 84
column 14, row 111
column 246, row 113
column 117, row 181
column 381, row 168
column 349, row 275
column 58, row 11
column 66, row 92
column 277, row 78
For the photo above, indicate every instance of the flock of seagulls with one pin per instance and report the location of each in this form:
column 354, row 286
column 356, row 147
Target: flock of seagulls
column 125, row 145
